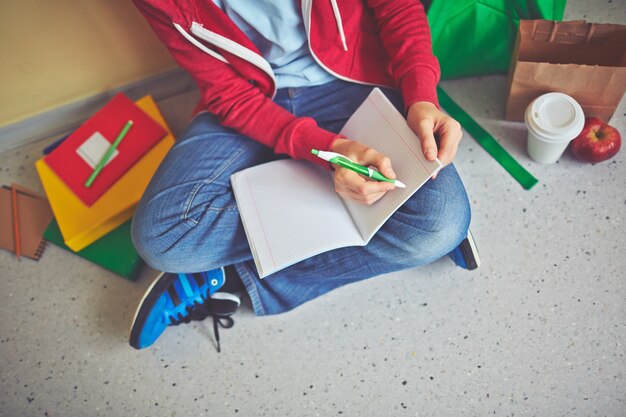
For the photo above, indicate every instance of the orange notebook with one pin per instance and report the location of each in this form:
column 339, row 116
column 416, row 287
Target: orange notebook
column 34, row 215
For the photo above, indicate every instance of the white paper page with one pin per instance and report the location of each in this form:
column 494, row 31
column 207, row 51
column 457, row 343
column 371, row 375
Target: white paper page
column 290, row 212
column 93, row 149
column 378, row 124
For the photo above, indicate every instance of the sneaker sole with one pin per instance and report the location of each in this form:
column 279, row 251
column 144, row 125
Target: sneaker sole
column 470, row 252
column 225, row 304
column 146, row 304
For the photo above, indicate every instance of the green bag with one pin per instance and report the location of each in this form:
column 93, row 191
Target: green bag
column 476, row 37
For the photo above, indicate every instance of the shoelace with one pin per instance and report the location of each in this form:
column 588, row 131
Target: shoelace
column 200, row 311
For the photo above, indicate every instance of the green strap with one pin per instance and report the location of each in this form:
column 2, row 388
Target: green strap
column 487, row 141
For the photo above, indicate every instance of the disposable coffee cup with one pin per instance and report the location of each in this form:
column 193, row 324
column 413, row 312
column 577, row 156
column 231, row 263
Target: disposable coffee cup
column 552, row 120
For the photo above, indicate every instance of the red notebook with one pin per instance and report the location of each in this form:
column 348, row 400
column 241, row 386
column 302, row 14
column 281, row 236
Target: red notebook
column 93, row 137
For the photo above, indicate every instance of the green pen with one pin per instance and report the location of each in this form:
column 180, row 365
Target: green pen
column 108, row 154
column 345, row 162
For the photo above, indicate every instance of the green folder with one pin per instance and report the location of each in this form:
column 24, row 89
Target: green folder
column 114, row 251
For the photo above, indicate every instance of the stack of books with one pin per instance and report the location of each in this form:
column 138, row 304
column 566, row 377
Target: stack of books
column 95, row 177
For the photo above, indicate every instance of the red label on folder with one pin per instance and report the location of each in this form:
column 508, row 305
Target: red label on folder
column 109, row 121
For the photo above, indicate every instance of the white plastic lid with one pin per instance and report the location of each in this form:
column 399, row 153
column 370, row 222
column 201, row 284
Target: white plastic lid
column 555, row 117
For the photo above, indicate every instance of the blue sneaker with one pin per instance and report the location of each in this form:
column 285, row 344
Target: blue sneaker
column 466, row 254
column 173, row 299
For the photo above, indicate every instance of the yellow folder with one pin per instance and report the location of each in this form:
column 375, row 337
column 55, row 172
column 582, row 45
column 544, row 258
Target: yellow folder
column 82, row 225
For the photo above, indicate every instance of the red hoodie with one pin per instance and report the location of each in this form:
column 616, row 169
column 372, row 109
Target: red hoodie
column 378, row 42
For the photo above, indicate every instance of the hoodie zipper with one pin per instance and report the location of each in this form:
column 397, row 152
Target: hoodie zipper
column 255, row 59
column 234, row 48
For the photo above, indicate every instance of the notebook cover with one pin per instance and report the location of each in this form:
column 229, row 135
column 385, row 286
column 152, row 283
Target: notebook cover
column 82, row 225
column 114, row 251
column 109, row 121
column 34, row 214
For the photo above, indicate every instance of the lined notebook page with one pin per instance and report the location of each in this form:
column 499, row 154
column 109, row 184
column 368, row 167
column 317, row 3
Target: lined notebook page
column 378, row 124
column 290, row 212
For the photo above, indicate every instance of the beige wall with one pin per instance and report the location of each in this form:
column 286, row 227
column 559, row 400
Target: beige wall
column 54, row 52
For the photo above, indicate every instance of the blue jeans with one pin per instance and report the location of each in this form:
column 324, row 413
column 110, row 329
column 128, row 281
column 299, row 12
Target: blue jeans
column 187, row 220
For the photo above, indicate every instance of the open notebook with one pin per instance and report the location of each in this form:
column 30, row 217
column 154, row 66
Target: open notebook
column 290, row 210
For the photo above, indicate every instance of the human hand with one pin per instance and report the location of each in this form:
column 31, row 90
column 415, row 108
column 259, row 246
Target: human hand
column 349, row 184
column 426, row 120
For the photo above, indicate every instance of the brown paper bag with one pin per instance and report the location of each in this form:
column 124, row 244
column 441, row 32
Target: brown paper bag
column 584, row 60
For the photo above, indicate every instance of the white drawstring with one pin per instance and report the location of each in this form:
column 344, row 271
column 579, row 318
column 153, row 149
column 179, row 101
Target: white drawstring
column 339, row 24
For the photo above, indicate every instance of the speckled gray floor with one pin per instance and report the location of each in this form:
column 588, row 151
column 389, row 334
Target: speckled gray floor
column 538, row 330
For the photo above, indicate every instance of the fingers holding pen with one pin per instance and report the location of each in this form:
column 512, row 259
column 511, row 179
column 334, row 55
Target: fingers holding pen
column 371, row 157
column 350, row 184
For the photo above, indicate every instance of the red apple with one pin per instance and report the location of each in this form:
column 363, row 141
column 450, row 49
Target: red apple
column 597, row 142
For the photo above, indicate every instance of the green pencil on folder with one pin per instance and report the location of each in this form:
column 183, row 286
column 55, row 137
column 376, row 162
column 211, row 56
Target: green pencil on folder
column 108, row 153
